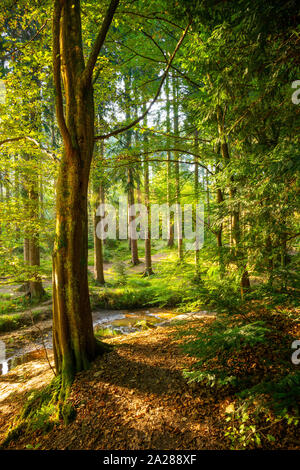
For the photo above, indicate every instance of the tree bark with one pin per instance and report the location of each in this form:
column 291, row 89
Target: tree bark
column 74, row 343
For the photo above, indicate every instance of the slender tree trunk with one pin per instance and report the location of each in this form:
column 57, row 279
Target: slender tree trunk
column 177, row 173
column 134, row 247
column 196, row 193
column 98, row 245
column 170, row 242
column 26, row 250
column 17, row 196
column 219, row 231
column 235, row 213
column 35, row 284
column 207, row 198
column 148, row 261
column 99, row 198
column 130, row 180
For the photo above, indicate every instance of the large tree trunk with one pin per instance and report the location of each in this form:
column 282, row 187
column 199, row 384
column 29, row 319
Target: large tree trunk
column 74, row 343
column 73, row 339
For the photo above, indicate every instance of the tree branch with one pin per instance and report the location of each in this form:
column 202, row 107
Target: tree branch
column 30, row 139
column 170, row 150
column 88, row 71
column 137, row 120
column 57, row 74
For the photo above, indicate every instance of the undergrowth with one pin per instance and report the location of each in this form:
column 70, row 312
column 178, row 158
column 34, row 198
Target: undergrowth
column 249, row 355
column 41, row 412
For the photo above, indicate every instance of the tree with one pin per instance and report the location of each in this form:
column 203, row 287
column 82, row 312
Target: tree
column 73, row 338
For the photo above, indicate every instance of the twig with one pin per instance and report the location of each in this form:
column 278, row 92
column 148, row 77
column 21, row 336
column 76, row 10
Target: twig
column 43, row 342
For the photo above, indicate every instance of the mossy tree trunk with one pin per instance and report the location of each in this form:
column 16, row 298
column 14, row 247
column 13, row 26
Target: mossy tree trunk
column 74, row 343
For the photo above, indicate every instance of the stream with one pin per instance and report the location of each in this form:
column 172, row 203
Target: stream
column 107, row 323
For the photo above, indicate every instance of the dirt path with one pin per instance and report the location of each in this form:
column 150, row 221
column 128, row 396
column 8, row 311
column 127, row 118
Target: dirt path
column 136, row 398
column 108, row 268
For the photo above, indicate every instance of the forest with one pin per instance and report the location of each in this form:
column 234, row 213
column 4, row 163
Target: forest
column 149, row 225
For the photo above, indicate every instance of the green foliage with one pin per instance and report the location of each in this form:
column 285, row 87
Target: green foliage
column 247, row 356
column 39, row 413
column 215, row 344
column 283, row 392
column 17, row 320
column 144, row 325
column 10, row 304
column 261, row 408
column 121, row 273
column 100, row 332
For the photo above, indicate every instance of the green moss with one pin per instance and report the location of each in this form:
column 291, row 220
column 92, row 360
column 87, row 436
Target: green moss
column 68, row 413
column 39, row 413
column 102, row 348
column 105, row 332
column 13, row 435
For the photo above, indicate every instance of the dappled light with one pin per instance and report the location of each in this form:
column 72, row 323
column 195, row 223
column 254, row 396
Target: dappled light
column 149, row 226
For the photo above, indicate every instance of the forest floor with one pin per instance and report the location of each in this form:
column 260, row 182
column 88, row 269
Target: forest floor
column 135, row 397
